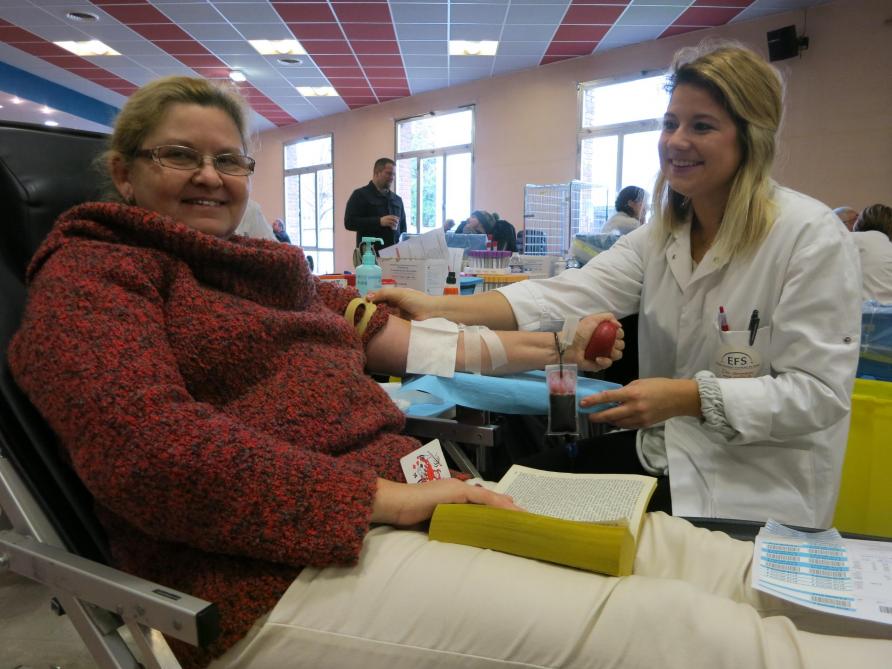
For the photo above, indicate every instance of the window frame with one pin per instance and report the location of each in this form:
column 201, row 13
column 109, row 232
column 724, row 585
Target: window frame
column 618, row 129
column 297, row 171
column 419, row 154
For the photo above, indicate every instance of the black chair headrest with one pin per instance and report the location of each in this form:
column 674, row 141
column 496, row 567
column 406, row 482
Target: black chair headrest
column 43, row 172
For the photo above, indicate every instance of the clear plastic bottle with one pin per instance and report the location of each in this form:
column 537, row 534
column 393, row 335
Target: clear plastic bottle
column 368, row 274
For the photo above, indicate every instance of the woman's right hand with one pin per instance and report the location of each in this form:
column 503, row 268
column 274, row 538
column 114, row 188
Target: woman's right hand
column 403, row 504
column 413, row 305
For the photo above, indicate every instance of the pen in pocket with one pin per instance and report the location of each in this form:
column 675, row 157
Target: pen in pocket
column 754, row 326
column 723, row 320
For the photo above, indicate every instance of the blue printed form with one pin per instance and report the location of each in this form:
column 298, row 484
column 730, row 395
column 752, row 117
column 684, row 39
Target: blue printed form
column 823, row 571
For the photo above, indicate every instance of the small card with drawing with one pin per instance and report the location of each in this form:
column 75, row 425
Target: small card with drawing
column 425, row 464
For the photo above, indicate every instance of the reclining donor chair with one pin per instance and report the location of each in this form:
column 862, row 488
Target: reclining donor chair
column 55, row 537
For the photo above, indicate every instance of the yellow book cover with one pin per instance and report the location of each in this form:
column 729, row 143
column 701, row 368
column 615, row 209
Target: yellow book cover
column 588, row 521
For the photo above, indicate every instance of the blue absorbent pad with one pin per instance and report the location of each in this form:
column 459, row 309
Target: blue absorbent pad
column 525, row 394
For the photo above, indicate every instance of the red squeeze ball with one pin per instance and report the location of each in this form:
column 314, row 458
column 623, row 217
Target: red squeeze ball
column 601, row 343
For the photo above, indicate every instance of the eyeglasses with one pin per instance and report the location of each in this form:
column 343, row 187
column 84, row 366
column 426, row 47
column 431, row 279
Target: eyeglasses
column 184, row 158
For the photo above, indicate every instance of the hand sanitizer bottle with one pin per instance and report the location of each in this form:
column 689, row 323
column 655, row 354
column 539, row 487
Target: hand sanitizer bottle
column 368, row 274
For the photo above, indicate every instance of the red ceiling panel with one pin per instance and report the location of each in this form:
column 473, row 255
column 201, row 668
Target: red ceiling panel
column 182, row 47
column 345, row 72
column 134, row 14
column 546, row 59
column 706, row 16
column 347, row 82
column 370, row 31
column 328, row 46
column 580, row 33
column 592, row 14
column 334, row 60
column 375, row 47
column 384, row 72
column 362, row 12
column 311, row 31
column 570, row 48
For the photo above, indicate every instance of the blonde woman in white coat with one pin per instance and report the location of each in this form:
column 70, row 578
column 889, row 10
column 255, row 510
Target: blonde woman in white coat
column 746, row 423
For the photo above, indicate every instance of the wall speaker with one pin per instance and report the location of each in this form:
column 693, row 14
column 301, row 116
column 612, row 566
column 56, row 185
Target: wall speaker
column 783, row 43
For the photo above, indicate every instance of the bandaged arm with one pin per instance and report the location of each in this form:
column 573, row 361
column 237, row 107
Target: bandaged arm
column 388, row 351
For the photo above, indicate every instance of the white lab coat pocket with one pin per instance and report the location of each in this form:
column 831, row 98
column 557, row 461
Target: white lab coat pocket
column 735, row 358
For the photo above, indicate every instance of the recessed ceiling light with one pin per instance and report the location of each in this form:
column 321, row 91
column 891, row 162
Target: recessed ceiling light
column 317, row 91
column 52, row 124
column 46, row 110
column 278, row 47
column 92, row 47
column 1, row 106
column 459, row 47
column 16, row 101
column 289, row 60
column 237, row 75
column 81, row 16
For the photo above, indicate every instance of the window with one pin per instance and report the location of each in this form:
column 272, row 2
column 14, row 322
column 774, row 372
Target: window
column 434, row 157
column 309, row 199
column 619, row 127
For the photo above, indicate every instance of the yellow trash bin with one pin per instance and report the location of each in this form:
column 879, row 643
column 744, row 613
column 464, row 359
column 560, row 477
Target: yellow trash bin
column 865, row 494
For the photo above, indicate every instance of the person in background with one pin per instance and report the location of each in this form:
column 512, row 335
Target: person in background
column 873, row 237
column 504, row 234
column 483, row 223
column 254, row 224
column 754, row 436
column 448, row 225
column 631, row 210
column 376, row 211
column 280, row 231
column 847, row 215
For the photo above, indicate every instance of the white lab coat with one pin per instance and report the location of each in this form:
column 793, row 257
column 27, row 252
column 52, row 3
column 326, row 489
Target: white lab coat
column 875, row 250
column 622, row 222
column 791, row 422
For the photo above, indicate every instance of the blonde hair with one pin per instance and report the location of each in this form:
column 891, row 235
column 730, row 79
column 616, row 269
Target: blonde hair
column 146, row 108
column 751, row 91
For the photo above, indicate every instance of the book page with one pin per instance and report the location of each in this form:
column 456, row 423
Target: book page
column 618, row 499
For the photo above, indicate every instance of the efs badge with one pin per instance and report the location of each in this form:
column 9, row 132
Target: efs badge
column 737, row 362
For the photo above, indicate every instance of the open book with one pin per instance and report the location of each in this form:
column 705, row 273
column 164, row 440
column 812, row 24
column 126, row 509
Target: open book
column 589, row 521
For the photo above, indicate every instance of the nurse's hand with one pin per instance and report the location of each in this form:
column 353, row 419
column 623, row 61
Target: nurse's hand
column 413, row 305
column 646, row 402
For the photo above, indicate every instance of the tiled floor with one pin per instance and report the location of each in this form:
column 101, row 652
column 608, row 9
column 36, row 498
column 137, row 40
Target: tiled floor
column 31, row 635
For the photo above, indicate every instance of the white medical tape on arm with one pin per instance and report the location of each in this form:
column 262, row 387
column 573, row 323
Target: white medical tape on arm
column 432, row 347
column 497, row 355
column 473, row 352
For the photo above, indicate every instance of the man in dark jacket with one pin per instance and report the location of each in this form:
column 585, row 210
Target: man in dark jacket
column 374, row 210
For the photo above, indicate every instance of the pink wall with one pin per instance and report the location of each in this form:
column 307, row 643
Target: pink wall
column 835, row 144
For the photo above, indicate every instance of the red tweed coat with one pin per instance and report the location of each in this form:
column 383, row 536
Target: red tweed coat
column 212, row 398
